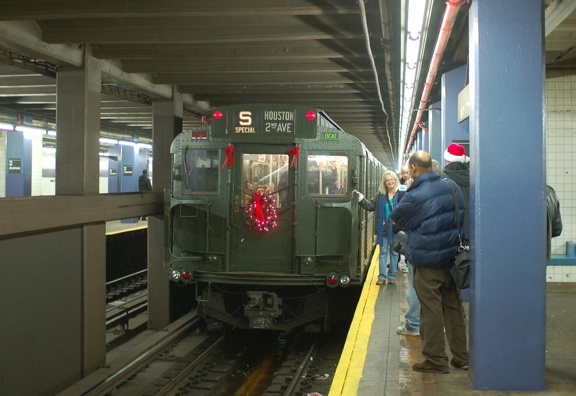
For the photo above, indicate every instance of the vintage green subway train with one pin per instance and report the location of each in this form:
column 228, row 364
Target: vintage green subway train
column 261, row 220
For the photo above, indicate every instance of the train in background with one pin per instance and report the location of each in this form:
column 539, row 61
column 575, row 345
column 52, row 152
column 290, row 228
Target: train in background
column 261, row 220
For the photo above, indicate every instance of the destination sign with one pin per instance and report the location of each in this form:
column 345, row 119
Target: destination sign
column 329, row 136
column 264, row 122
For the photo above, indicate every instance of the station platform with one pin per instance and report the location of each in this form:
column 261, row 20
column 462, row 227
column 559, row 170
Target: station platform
column 377, row 361
column 117, row 226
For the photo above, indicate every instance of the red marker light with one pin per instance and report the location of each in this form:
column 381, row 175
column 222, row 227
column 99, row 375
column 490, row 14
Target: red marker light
column 217, row 115
column 186, row 275
column 332, row 280
column 310, row 115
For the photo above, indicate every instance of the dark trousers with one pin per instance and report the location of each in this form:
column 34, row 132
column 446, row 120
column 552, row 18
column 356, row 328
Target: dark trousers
column 440, row 308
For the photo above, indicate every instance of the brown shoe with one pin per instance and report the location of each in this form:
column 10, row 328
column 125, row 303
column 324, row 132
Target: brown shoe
column 390, row 281
column 427, row 367
column 381, row 282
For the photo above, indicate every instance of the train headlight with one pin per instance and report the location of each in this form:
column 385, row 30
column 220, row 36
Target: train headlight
column 344, row 280
column 175, row 275
column 332, row 280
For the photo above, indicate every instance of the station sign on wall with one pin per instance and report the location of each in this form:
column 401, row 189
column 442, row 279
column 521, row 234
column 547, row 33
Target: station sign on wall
column 15, row 165
column 127, row 170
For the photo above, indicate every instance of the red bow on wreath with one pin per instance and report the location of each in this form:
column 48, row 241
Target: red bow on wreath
column 295, row 154
column 229, row 152
column 258, row 212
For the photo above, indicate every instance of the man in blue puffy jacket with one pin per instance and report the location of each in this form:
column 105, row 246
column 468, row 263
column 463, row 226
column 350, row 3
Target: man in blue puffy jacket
column 427, row 214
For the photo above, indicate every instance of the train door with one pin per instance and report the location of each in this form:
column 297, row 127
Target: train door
column 324, row 229
column 262, row 232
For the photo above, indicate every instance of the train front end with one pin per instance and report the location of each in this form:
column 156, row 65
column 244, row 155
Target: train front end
column 260, row 218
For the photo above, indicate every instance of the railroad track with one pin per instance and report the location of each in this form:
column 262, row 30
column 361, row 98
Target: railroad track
column 136, row 357
column 183, row 360
column 126, row 308
column 126, row 286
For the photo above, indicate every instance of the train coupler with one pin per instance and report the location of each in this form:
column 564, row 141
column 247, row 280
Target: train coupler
column 262, row 309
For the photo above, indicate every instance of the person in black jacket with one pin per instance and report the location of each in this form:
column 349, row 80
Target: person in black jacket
column 426, row 212
column 458, row 169
column 144, row 183
column 554, row 220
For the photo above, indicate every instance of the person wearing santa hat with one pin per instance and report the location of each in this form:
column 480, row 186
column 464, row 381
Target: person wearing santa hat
column 458, row 169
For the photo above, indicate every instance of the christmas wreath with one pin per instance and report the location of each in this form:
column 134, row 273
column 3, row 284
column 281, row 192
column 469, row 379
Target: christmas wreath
column 261, row 212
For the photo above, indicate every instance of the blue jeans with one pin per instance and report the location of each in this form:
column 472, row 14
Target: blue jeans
column 412, row 316
column 383, row 260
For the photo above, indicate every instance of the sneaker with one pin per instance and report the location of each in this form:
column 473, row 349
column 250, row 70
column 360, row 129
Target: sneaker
column 461, row 366
column 402, row 330
column 427, row 367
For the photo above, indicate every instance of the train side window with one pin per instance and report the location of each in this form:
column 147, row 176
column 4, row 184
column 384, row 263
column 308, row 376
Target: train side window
column 201, row 166
column 327, row 174
column 268, row 172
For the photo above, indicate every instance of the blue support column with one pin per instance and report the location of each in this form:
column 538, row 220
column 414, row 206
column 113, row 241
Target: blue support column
column 114, row 169
column 435, row 130
column 453, row 131
column 508, row 227
column 425, row 136
column 418, row 141
column 15, row 164
column 129, row 175
column 130, row 172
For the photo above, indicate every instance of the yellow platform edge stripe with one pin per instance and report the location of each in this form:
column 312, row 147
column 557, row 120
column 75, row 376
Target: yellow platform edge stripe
column 351, row 364
column 142, row 227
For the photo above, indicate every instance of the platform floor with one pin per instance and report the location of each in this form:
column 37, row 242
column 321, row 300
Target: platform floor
column 376, row 361
column 113, row 227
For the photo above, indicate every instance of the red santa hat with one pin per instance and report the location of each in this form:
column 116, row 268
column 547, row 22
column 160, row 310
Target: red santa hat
column 456, row 153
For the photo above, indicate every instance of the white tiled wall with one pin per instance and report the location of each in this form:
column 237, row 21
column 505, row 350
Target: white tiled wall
column 561, row 162
column 36, row 171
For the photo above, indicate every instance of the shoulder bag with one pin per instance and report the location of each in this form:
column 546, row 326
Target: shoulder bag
column 399, row 242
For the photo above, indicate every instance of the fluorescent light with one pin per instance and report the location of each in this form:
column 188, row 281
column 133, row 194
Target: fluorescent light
column 412, row 51
column 27, row 129
column 108, row 141
column 51, row 133
column 126, row 143
column 144, row 146
column 416, row 10
column 8, row 127
column 412, row 64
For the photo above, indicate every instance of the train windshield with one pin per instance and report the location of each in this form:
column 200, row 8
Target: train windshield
column 327, row 174
column 201, row 167
column 267, row 173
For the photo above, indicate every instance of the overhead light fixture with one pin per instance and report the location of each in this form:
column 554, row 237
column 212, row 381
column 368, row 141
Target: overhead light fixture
column 144, row 146
column 412, row 65
column 109, row 141
column 29, row 129
column 6, row 127
column 126, row 143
